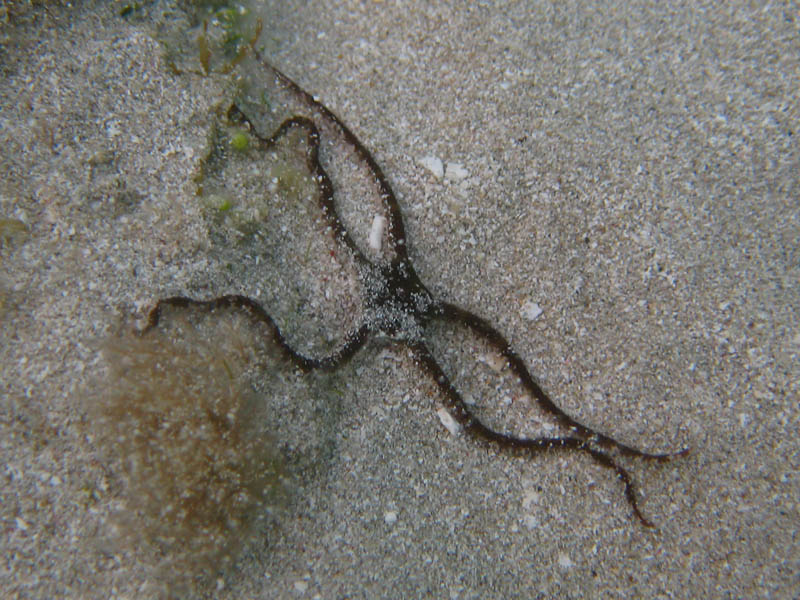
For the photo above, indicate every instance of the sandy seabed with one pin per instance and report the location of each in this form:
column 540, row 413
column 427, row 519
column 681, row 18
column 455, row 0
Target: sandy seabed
column 630, row 171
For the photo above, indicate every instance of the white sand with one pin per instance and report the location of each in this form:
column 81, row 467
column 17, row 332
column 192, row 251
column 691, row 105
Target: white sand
column 631, row 170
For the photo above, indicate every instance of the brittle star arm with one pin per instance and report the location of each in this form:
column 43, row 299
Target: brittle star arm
column 352, row 344
column 453, row 313
column 397, row 235
column 455, row 405
column 321, row 177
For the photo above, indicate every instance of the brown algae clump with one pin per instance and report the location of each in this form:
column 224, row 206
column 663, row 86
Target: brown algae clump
column 179, row 423
column 12, row 231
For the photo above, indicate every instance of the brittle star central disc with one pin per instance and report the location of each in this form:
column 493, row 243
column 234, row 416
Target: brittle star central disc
column 397, row 303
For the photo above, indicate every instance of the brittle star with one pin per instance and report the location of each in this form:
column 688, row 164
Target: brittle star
column 399, row 307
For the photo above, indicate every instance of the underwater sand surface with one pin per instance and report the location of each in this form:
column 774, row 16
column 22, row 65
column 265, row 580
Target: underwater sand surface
column 615, row 189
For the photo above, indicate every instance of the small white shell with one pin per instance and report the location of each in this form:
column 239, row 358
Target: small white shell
column 376, row 233
column 531, row 311
column 455, row 172
column 434, row 165
column 448, row 421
